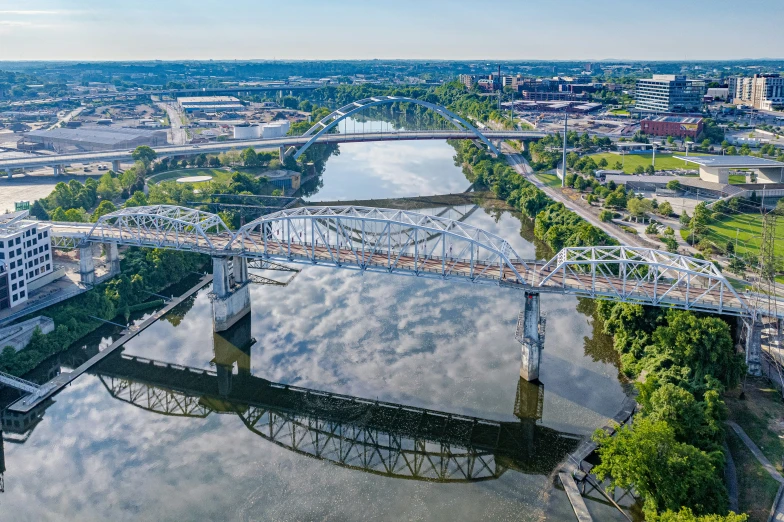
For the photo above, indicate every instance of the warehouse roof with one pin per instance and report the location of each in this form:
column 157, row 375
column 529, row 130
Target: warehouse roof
column 103, row 135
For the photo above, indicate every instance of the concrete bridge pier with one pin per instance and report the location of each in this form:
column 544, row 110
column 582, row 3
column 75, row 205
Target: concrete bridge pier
column 231, row 299
column 530, row 334
column 282, row 153
column 113, row 257
column 86, row 264
column 8, row 172
column 751, row 337
column 116, row 165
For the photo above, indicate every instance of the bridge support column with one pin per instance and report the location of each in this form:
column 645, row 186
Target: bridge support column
column 282, row 153
column 752, row 342
column 86, row 264
column 113, row 257
column 530, row 334
column 231, row 299
column 8, row 172
column 116, row 165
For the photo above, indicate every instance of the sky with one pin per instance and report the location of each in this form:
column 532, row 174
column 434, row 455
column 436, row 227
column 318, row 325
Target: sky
column 405, row 29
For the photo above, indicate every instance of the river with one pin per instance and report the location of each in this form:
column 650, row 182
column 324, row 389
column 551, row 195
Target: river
column 105, row 450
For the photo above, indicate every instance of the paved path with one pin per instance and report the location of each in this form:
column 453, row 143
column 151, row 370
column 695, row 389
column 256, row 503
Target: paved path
column 777, row 510
column 519, row 163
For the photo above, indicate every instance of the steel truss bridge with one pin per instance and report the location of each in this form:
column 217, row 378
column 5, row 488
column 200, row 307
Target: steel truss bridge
column 381, row 438
column 328, row 122
column 416, row 244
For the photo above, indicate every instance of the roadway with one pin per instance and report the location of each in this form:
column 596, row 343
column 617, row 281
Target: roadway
column 177, row 134
column 285, row 141
column 519, row 163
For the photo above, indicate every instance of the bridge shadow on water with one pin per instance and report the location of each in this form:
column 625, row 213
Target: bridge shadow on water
column 382, row 438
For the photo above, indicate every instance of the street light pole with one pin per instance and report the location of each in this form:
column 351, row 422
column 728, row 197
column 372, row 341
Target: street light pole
column 563, row 177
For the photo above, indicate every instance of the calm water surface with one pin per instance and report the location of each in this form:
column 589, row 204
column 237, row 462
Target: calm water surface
column 127, row 442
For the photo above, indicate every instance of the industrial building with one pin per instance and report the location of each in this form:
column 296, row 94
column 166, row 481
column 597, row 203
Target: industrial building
column 669, row 93
column 25, row 256
column 94, row 138
column 672, row 126
column 209, row 104
column 761, row 91
column 247, row 131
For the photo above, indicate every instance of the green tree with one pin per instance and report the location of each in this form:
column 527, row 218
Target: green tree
column 665, row 209
column 618, row 166
column 103, row 208
column 144, row 154
column 639, row 208
column 605, row 215
column 666, row 473
column 670, row 243
column 137, row 200
column 249, row 157
column 732, row 151
column 74, row 215
column 108, row 187
column 687, row 515
column 650, row 170
column 639, row 169
column 602, row 163
column 674, row 184
column 37, row 211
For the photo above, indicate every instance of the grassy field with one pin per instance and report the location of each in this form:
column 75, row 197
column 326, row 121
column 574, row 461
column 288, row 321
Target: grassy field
column 631, row 161
column 747, row 227
column 217, row 174
column 737, row 179
column 551, row 180
column 760, row 415
column 619, row 112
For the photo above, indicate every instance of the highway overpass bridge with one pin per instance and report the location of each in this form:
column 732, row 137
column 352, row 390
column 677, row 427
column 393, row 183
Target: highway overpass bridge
column 410, row 243
column 56, row 161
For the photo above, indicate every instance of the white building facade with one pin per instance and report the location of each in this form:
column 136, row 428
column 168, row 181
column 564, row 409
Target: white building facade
column 25, row 253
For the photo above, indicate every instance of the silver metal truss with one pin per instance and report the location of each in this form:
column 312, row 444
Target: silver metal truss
column 162, row 226
column 324, row 125
column 23, row 385
column 371, row 450
column 644, row 276
column 380, row 239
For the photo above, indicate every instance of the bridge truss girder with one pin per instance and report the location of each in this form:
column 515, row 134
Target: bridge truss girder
column 643, row 276
column 380, row 239
column 154, row 399
column 161, row 226
column 324, row 125
column 372, row 451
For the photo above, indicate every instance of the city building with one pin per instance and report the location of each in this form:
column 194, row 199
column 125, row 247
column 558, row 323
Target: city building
column 469, row 80
column 94, row 138
column 284, row 179
column 25, row 255
column 209, row 104
column 672, row 126
column 761, row 91
column 669, row 93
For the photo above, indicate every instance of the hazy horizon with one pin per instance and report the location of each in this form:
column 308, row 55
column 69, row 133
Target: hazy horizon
column 307, row 30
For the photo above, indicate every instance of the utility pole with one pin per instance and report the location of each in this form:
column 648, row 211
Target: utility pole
column 500, row 88
column 563, row 178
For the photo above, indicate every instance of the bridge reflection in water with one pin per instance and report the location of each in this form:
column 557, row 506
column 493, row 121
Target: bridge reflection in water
column 383, row 438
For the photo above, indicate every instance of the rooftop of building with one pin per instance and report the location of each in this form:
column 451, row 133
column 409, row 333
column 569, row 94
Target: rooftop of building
column 207, row 99
column 15, row 222
column 675, row 119
column 103, row 134
column 748, row 162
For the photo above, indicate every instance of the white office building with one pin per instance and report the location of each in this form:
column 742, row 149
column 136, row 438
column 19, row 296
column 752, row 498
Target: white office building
column 25, row 253
column 669, row 93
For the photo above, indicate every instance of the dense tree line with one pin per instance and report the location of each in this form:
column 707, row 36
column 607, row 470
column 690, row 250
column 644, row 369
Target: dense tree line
column 672, row 453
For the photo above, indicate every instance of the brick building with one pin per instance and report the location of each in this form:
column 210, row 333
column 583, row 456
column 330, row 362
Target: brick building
column 679, row 126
